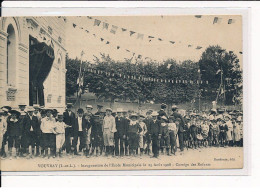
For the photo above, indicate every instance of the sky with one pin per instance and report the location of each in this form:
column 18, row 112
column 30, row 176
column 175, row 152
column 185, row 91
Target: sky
column 183, row 30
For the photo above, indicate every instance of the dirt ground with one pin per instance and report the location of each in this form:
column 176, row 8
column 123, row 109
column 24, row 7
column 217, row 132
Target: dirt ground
column 203, row 158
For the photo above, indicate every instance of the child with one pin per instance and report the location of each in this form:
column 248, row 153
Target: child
column 215, row 132
column 173, row 134
column 142, row 134
column 14, row 133
column 181, row 132
column 223, row 133
column 236, row 130
column 133, row 134
column 165, row 140
column 193, row 133
column 229, row 132
column 205, row 132
column 48, row 136
column 97, row 135
column 33, row 133
column 60, row 133
column 2, row 130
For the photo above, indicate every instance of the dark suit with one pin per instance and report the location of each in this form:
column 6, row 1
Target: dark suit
column 34, row 132
column 80, row 134
column 154, row 130
column 68, row 120
column 120, row 135
column 161, row 113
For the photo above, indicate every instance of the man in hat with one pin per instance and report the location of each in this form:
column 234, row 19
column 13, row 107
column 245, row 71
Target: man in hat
column 162, row 112
column 69, row 118
column 33, row 132
column 109, row 128
column 82, row 130
column 36, row 111
column 5, row 116
column 165, row 140
column 147, row 137
column 120, row 135
column 14, row 132
column 89, row 109
column 133, row 134
column 24, row 124
column 99, row 109
column 176, row 115
column 154, row 130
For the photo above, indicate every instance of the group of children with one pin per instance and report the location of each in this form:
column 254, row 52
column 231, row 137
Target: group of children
column 39, row 132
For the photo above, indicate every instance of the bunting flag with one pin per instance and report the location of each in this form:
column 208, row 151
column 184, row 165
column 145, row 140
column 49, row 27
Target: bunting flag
column 113, row 29
column 198, row 47
column 87, row 31
column 131, row 33
column 105, row 25
column 197, row 16
column 101, row 39
column 159, row 39
column 127, row 50
column 97, row 22
column 231, row 21
column 241, row 52
column 140, row 36
column 74, row 25
column 189, row 45
column 107, row 42
column 118, row 47
column 89, row 17
column 150, row 37
column 172, row 42
column 123, row 29
column 216, row 20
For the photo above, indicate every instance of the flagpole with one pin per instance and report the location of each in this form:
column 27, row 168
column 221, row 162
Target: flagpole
column 80, row 79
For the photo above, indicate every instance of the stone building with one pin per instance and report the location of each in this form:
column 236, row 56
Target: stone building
column 32, row 61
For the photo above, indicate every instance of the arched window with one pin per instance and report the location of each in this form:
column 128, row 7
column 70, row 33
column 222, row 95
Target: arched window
column 11, row 56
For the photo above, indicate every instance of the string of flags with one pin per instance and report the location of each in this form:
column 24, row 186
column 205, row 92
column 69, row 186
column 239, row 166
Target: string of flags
column 108, row 42
column 143, row 78
column 115, row 29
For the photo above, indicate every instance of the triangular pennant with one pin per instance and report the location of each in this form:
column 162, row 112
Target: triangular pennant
column 97, row 22
column 113, row 29
column 123, row 29
column 87, row 31
column 89, row 17
column 216, row 20
column 74, row 25
column 140, row 36
column 118, row 47
column 105, row 25
column 189, row 45
column 127, row 50
column 159, row 39
column 131, row 33
column 150, row 36
column 94, row 35
column 198, row 16
column 172, row 42
column 241, row 52
column 107, row 42
column 101, row 39
column 198, row 47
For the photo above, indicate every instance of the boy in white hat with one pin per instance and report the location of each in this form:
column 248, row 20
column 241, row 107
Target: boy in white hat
column 59, row 129
column 154, row 130
column 109, row 128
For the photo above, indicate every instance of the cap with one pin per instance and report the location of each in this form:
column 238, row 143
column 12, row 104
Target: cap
column 100, row 106
column 154, row 113
column 36, row 106
column 14, row 112
column 164, row 118
column 23, row 105
column 174, row 107
column 29, row 109
column 89, row 106
column 60, row 114
column 80, row 110
column 69, row 105
column 109, row 109
column 133, row 115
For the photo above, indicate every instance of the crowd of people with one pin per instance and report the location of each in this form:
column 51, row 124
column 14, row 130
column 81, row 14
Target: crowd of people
column 33, row 131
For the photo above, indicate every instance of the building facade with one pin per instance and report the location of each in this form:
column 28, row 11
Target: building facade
column 32, row 61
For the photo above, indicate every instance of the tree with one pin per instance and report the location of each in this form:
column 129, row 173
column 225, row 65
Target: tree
column 213, row 61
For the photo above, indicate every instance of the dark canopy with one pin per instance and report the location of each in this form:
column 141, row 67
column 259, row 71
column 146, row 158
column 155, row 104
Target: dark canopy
column 41, row 60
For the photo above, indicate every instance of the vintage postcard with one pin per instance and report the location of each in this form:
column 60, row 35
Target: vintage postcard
column 104, row 93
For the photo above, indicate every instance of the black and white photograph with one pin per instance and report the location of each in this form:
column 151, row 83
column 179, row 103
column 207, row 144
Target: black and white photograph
column 121, row 92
